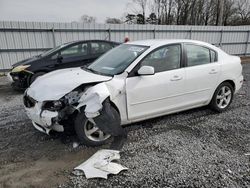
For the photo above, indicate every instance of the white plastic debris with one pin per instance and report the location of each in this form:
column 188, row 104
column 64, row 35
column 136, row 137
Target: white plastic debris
column 75, row 144
column 100, row 165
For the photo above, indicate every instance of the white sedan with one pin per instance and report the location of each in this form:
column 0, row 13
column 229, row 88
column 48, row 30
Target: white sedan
column 133, row 82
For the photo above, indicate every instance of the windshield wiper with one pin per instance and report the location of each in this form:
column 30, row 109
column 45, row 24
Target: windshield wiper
column 94, row 71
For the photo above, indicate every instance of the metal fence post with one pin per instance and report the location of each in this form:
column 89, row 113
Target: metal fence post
column 246, row 48
column 191, row 31
column 109, row 33
column 154, row 33
column 221, row 38
column 54, row 37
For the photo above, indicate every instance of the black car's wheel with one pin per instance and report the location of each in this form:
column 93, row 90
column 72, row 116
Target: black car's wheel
column 88, row 133
column 35, row 76
column 222, row 97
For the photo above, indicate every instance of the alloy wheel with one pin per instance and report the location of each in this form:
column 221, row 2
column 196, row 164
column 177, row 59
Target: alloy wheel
column 93, row 133
column 224, row 97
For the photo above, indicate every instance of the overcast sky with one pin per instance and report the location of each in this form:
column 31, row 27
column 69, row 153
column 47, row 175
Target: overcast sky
column 61, row 10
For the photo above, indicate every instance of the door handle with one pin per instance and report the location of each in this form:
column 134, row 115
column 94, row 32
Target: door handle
column 176, row 78
column 213, row 71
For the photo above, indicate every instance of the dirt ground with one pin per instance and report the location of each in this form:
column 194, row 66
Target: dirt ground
column 195, row 148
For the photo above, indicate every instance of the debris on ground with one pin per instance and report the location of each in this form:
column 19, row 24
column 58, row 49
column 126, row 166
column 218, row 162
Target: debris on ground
column 75, row 144
column 100, row 165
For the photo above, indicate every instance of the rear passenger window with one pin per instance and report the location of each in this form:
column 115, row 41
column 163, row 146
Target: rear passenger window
column 197, row 55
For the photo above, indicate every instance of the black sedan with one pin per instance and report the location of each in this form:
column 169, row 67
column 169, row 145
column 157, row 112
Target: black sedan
column 73, row 54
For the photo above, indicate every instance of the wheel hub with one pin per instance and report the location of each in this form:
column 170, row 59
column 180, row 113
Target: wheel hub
column 224, row 97
column 93, row 133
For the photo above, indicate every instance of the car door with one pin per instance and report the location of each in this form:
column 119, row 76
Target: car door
column 98, row 48
column 202, row 71
column 73, row 56
column 153, row 95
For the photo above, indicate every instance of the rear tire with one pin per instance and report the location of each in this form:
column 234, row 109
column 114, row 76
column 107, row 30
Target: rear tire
column 222, row 98
column 35, row 76
column 88, row 133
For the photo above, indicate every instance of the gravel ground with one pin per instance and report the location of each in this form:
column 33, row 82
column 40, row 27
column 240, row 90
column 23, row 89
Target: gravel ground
column 195, row 148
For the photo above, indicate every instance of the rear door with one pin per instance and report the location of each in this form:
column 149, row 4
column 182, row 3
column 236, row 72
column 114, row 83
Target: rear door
column 202, row 71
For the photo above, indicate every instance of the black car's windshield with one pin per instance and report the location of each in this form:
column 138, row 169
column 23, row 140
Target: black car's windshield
column 117, row 60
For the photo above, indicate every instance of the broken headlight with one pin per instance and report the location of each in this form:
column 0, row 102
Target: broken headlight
column 53, row 105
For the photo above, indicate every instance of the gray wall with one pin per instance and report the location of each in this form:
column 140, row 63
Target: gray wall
column 20, row 40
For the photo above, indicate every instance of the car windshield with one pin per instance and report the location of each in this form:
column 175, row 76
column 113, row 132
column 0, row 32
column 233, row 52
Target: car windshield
column 117, row 60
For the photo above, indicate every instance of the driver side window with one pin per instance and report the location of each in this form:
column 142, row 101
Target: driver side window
column 164, row 59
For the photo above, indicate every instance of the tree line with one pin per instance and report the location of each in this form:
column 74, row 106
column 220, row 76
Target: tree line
column 191, row 12
column 185, row 12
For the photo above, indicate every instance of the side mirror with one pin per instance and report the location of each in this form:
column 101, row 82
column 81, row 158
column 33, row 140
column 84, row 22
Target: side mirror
column 59, row 58
column 146, row 70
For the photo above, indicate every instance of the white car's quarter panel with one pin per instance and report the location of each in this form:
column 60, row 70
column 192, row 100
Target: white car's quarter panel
column 232, row 70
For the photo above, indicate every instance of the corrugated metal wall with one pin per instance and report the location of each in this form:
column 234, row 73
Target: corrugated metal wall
column 20, row 40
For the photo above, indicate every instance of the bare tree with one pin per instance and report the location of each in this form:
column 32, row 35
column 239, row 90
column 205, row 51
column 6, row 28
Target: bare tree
column 87, row 19
column 142, row 6
column 193, row 12
column 243, row 10
column 220, row 13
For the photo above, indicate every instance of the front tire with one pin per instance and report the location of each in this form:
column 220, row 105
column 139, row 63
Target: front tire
column 88, row 133
column 223, row 97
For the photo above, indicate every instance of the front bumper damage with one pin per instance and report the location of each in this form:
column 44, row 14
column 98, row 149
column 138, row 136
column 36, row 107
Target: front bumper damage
column 43, row 120
column 94, row 100
column 19, row 80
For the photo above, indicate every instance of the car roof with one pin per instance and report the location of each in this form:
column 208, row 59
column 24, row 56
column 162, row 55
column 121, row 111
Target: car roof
column 80, row 41
column 159, row 42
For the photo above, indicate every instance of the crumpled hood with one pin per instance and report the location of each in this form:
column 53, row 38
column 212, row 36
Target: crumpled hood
column 54, row 85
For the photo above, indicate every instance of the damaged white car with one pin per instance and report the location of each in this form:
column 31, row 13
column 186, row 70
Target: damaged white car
column 133, row 82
